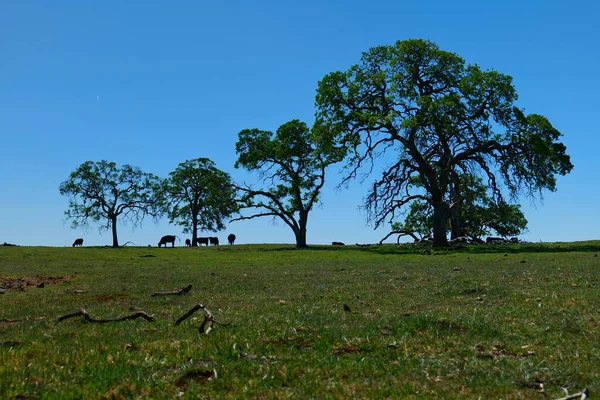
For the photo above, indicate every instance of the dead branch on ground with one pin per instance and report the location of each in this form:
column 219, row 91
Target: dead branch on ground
column 88, row 318
column 581, row 395
column 177, row 292
column 208, row 318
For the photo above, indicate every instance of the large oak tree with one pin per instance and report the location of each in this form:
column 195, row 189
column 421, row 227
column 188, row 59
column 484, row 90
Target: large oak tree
column 434, row 117
column 201, row 197
column 292, row 169
column 101, row 192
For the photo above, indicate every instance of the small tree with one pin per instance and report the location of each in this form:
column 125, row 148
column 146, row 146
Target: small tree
column 292, row 166
column 103, row 193
column 480, row 215
column 201, row 197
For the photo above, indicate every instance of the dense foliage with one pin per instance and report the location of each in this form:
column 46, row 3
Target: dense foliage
column 201, row 197
column 292, row 168
column 434, row 117
column 100, row 192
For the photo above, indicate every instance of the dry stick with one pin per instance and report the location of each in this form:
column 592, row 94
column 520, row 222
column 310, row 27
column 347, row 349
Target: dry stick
column 88, row 318
column 174, row 292
column 581, row 395
column 208, row 318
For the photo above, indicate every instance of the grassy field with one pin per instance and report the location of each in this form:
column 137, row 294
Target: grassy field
column 486, row 322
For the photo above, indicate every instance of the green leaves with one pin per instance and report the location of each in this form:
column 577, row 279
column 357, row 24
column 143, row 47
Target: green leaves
column 292, row 166
column 101, row 191
column 440, row 116
column 200, row 196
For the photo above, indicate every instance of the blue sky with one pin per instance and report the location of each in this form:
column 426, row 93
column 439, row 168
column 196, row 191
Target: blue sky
column 154, row 83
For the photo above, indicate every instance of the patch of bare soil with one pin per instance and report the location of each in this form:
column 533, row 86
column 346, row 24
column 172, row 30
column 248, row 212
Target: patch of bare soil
column 23, row 283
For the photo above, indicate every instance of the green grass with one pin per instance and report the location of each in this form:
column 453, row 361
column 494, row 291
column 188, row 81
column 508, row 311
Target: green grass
column 488, row 321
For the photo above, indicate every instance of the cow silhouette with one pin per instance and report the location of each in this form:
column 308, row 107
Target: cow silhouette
column 214, row 240
column 202, row 240
column 168, row 239
column 188, row 243
column 231, row 238
column 78, row 242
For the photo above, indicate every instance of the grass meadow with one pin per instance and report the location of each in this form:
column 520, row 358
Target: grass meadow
column 489, row 322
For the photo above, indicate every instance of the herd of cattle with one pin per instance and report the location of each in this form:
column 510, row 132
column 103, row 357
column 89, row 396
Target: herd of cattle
column 208, row 240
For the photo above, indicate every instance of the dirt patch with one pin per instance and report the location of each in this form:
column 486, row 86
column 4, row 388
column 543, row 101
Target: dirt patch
column 23, row 283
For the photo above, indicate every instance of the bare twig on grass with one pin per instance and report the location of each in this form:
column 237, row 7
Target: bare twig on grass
column 208, row 318
column 581, row 395
column 11, row 343
column 174, row 292
column 87, row 317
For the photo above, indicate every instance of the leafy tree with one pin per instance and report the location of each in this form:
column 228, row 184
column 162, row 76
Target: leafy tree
column 292, row 167
column 439, row 117
column 101, row 192
column 201, row 197
column 480, row 215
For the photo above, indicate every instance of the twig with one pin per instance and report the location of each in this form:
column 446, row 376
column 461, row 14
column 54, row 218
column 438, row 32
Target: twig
column 581, row 395
column 208, row 318
column 174, row 292
column 87, row 317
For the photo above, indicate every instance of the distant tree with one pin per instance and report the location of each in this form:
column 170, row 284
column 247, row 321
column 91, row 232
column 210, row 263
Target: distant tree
column 101, row 192
column 438, row 117
column 200, row 196
column 480, row 215
column 293, row 169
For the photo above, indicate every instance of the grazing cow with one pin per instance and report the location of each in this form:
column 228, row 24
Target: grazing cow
column 231, row 238
column 494, row 240
column 78, row 242
column 337, row 243
column 188, row 243
column 202, row 240
column 168, row 239
column 214, row 240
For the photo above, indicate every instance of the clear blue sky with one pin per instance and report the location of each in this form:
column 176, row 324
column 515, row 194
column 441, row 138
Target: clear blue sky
column 153, row 83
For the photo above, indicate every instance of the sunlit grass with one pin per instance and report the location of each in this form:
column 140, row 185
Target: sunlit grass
column 326, row 322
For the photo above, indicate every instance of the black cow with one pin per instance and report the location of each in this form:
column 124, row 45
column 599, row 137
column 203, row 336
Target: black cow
column 168, row 239
column 337, row 243
column 202, row 240
column 188, row 243
column 231, row 238
column 214, row 240
column 78, row 242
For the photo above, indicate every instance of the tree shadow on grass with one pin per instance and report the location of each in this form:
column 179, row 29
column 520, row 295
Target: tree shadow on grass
column 563, row 247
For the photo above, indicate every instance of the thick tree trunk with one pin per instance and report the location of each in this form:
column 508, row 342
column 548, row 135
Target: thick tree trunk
column 113, row 224
column 455, row 210
column 440, row 216
column 300, row 238
column 301, row 232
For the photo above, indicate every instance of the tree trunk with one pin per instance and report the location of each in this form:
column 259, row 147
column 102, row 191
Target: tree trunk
column 301, row 232
column 440, row 214
column 194, row 231
column 455, row 211
column 300, row 238
column 113, row 224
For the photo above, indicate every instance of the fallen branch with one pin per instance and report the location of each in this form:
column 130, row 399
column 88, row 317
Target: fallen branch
column 208, row 318
column 11, row 343
column 88, row 318
column 400, row 234
column 581, row 395
column 174, row 292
